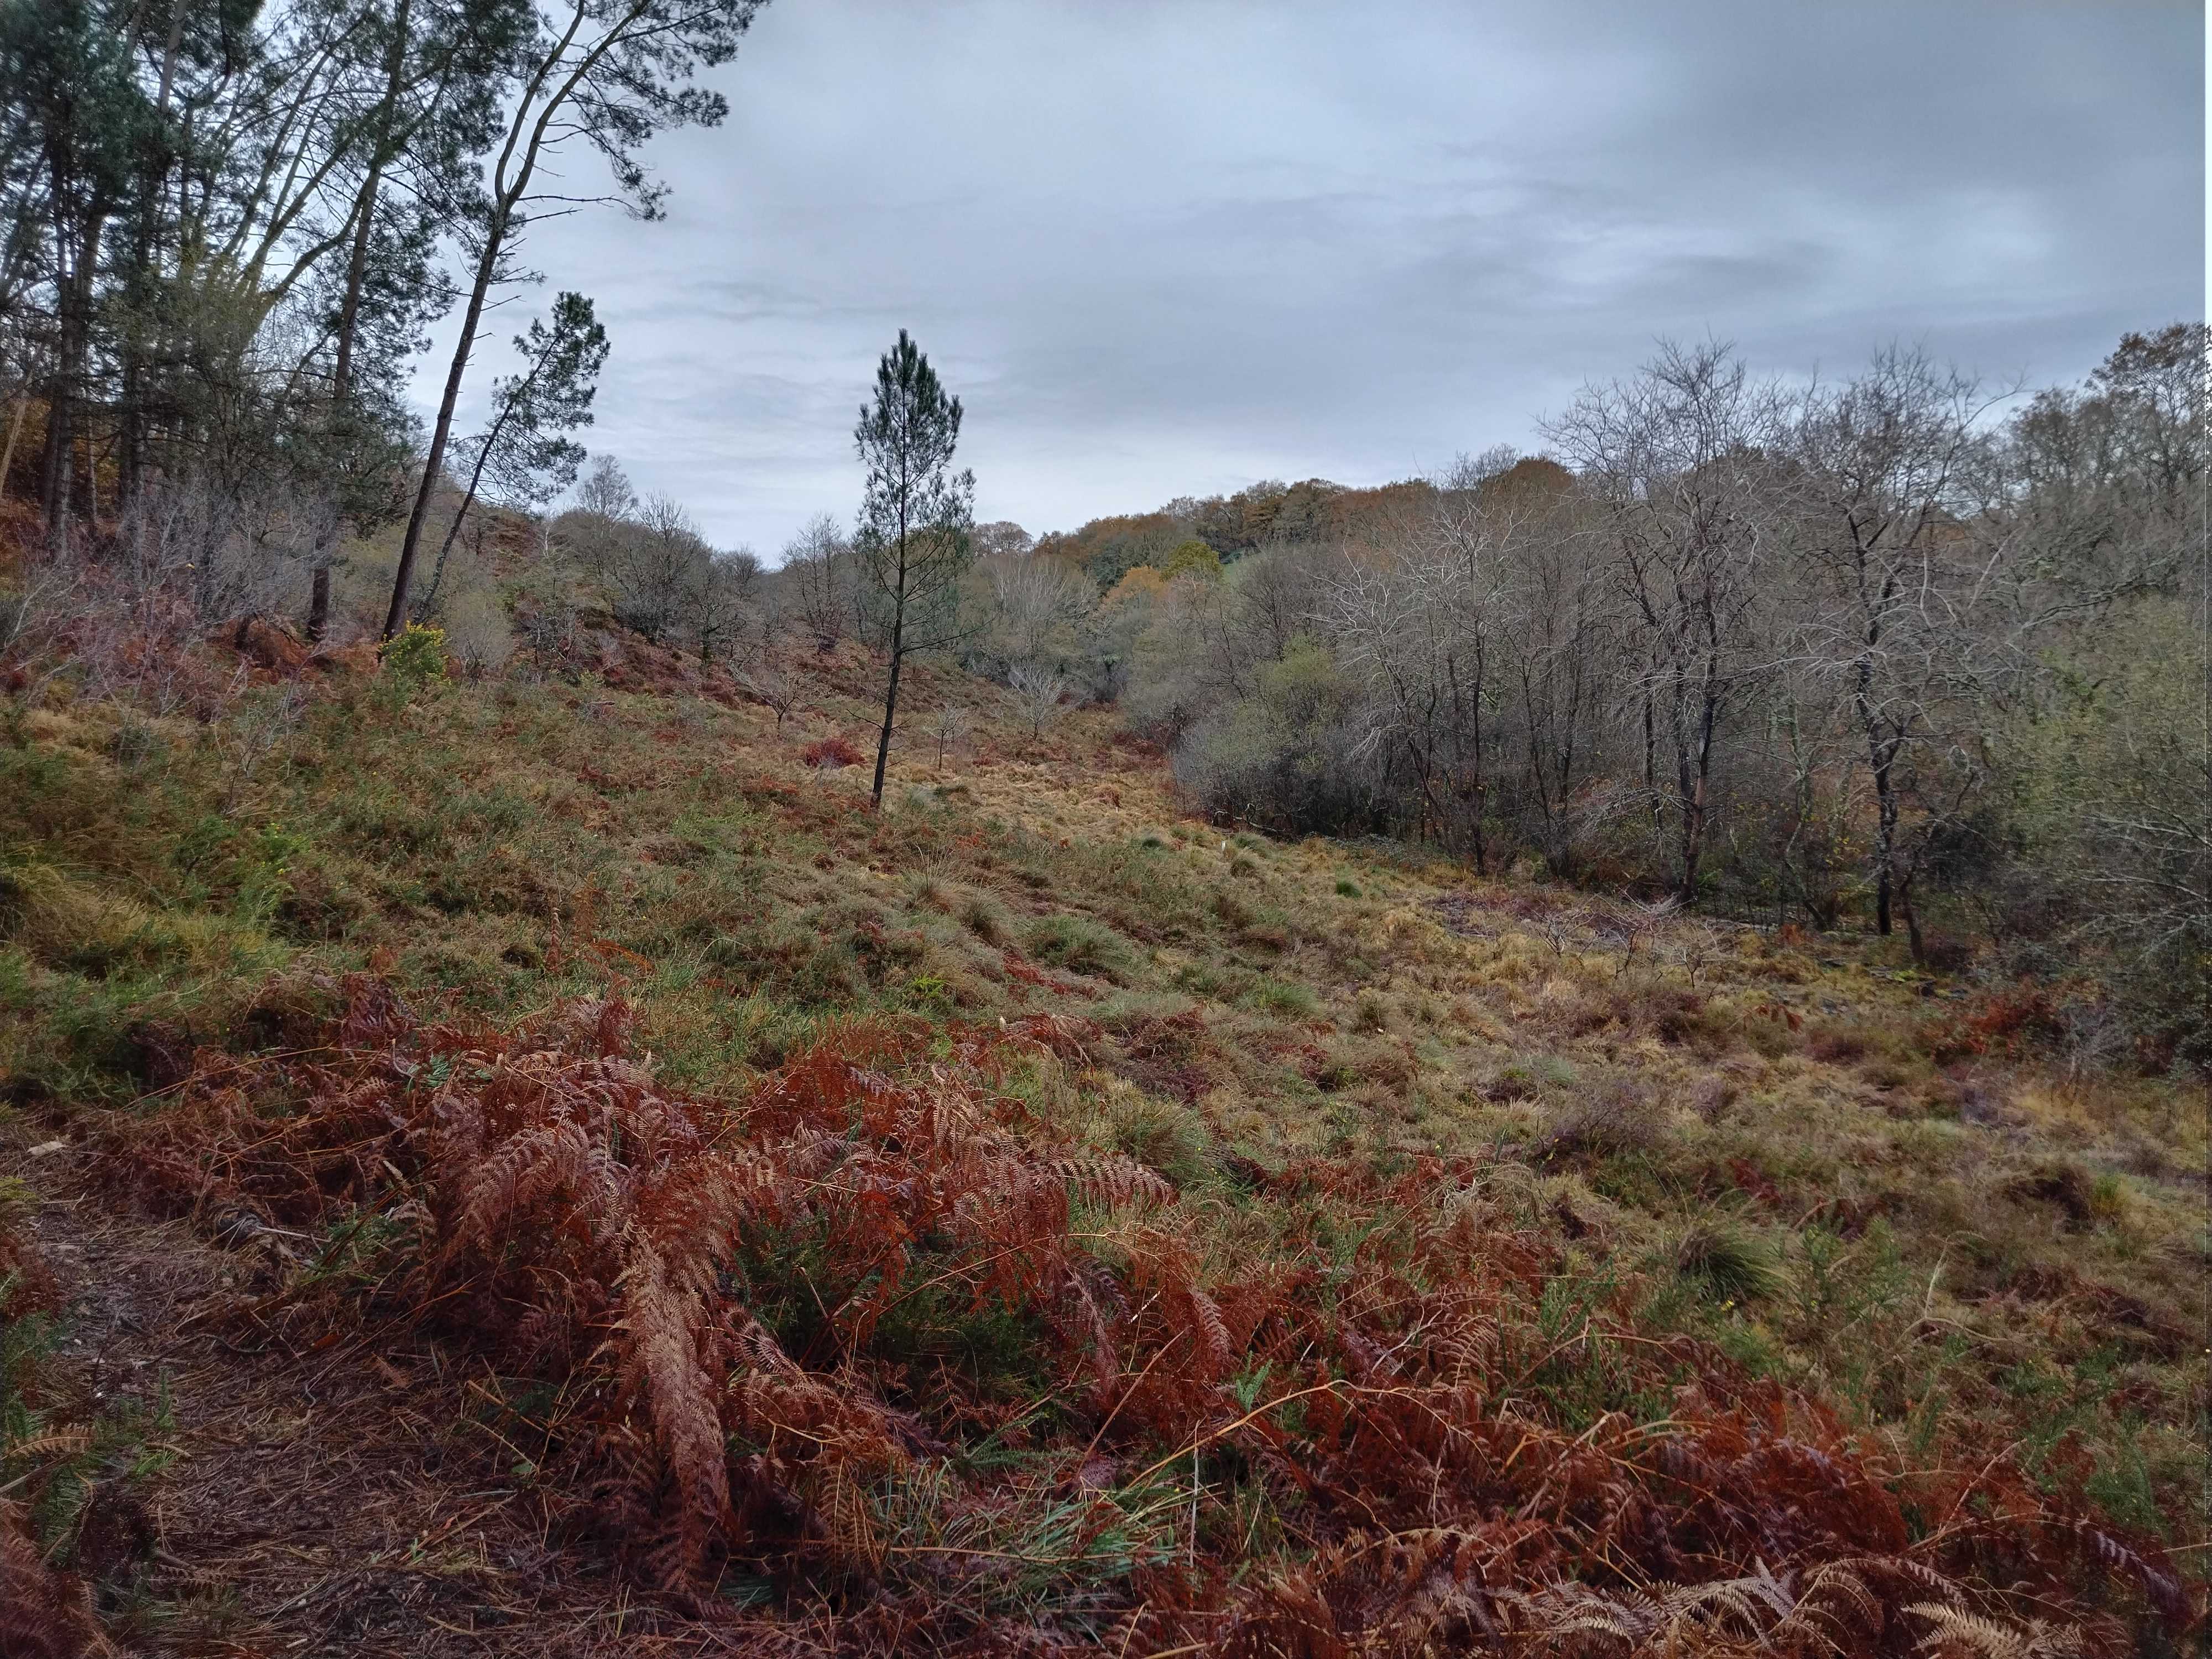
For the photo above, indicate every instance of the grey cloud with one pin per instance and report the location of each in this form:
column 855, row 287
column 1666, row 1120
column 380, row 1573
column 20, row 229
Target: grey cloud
column 1165, row 247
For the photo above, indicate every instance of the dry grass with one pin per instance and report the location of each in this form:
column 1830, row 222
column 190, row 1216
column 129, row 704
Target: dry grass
column 1890, row 1193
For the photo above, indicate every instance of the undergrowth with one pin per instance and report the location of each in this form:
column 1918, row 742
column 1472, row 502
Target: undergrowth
column 1029, row 1216
column 872, row 1333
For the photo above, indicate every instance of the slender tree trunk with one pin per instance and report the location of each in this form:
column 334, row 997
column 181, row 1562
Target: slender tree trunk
column 1884, row 850
column 54, row 473
column 890, row 688
column 454, row 529
column 1481, row 777
column 326, row 537
column 395, row 617
column 15, row 431
column 890, row 710
column 1911, row 922
column 1651, row 758
column 145, row 253
column 468, row 496
column 76, row 347
column 1881, row 758
column 1693, row 826
column 438, row 571
column 318, row 596
column 511, row 192
column 1693, row 759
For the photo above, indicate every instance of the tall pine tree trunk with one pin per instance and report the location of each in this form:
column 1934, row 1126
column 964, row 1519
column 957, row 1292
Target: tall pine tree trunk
column 891, row 690
column 326, row 534
column 73, row 299
column 395, row 617
column 318, row 597
column 135, row 419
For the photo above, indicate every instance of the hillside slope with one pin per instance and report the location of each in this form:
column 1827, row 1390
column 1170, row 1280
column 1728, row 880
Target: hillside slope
column 1028, row 1218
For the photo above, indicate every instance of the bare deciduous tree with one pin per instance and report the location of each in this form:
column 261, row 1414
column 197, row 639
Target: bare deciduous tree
column 1887, row 504
column 818, row 576
column 720, row 604
column 1037, row 693
column 767, row 677
column 652, row 565
column 1559, row 681
column 1679, row 458
column 1038, row 602
column 950, row 726
column 607, row 490
column 1415, row 618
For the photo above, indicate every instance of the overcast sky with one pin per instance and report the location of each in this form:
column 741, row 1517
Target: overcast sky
column 1173, row 248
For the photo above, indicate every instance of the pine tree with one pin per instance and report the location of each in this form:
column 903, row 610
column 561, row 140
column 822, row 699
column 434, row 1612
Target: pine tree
column 524, row 456
column 609, row 76
column 915, row 519
column 78, row 117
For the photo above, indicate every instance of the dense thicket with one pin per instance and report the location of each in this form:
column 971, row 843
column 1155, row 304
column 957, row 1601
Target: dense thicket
column 223, row 231
column 1868, row 649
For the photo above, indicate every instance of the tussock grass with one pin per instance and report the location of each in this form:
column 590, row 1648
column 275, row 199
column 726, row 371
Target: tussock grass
column 1731, row 1139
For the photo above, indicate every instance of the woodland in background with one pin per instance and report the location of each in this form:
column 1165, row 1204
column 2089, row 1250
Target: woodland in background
column 1896, row 650
column 227, row 231
column 1866, row 649
column 1025, row 1208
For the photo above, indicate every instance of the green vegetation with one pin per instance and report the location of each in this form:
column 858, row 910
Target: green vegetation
column 1887, row 1192
column 1599, row 1053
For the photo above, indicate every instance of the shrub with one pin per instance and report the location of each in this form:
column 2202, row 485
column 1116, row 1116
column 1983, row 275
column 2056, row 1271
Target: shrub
column 983, row 918
column 1161, row 1134
column 1673, row 1013
column 2067, row 1185
column 1836, row 1045
column 1511, row 1083
column 1385, row 1067
column 1617, row 1120
column 829, row 753
column 413, row 658
column 478, row 635
column 1712, row 1097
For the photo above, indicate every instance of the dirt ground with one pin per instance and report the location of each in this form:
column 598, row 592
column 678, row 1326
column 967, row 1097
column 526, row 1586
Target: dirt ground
column 320, row 1495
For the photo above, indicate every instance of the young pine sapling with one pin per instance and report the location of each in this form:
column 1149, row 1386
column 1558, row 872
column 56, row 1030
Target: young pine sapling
column 524, row 456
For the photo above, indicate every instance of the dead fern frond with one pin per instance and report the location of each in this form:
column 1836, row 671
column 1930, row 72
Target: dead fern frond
column 43, row 1614
column 773, row 1324
column 1954, row 1633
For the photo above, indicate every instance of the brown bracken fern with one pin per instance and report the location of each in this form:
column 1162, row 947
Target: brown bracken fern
column 725, row 1297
